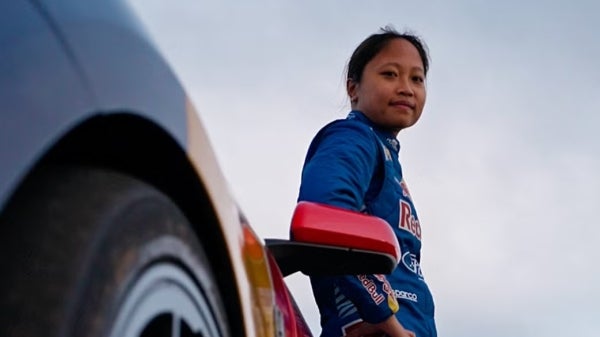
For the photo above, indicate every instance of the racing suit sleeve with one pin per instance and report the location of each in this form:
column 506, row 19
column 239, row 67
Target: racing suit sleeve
column 338, row 169
column 339, row 165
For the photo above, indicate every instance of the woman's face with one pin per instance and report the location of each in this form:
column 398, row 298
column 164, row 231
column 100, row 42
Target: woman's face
column 392, row 90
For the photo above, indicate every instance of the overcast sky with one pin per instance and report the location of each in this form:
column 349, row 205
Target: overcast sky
column 503, row 166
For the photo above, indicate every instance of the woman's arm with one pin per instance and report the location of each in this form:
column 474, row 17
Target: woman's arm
column 339, row 165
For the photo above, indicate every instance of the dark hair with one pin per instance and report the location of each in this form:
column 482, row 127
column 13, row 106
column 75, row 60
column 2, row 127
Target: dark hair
column 372, row 45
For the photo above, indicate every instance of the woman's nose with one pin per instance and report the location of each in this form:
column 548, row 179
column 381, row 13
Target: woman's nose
column 404, row 87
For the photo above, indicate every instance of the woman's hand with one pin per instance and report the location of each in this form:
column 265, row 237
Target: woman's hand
column 390, row 327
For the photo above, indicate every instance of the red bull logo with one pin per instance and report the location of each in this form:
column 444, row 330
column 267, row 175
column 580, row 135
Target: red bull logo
column 408, row 221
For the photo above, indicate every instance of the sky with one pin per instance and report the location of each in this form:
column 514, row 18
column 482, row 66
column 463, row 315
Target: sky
column 503, row 165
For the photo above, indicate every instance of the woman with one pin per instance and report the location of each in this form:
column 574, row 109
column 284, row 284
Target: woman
column 353, row 163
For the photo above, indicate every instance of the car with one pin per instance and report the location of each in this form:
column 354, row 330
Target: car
column 115, row 218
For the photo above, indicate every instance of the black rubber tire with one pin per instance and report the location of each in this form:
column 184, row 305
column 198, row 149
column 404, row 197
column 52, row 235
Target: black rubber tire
column 75, row 243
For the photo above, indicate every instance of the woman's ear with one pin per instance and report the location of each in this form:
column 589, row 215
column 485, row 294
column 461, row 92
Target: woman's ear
column 351, row 88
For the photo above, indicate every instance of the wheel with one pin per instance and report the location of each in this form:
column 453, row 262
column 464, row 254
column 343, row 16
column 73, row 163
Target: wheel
column 89, row 252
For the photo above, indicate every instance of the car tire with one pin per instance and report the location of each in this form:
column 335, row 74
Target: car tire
column 90, row 252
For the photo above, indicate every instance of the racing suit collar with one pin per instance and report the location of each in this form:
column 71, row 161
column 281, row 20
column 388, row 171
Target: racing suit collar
column 388, row 137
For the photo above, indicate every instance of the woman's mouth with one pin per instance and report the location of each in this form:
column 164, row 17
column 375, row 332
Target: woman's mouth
column 405, row 104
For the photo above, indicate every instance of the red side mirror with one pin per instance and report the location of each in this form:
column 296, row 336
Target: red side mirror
column 327, row 240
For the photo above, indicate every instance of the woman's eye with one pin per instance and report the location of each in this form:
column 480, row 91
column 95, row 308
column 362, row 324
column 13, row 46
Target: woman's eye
column 389, row 74
column 418, row 79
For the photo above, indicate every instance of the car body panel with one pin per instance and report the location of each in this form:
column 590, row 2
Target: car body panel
column 31, row 60
column 123, row 69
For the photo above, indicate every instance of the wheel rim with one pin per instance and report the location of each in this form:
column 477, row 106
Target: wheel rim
column 164, row 301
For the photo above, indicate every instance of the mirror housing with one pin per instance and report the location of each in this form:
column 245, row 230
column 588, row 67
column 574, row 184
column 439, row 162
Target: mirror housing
column 327, row 240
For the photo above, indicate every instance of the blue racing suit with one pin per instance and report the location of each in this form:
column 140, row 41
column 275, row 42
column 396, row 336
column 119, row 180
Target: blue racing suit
column 354, row 165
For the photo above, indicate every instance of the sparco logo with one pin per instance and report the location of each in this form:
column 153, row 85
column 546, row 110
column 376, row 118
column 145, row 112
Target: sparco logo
column 406, row 295
column 410, row 261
